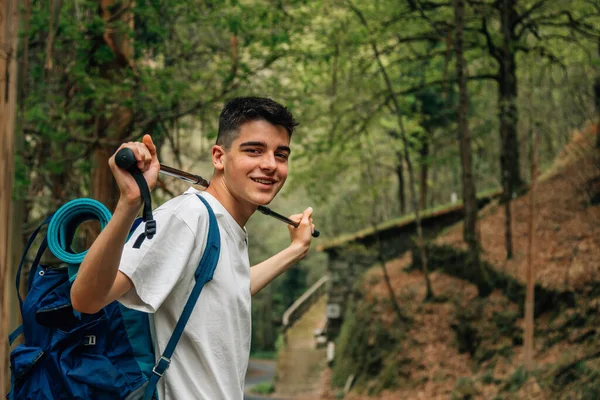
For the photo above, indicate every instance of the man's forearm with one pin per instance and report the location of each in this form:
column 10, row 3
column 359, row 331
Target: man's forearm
column 262, row 274
column 97, row 272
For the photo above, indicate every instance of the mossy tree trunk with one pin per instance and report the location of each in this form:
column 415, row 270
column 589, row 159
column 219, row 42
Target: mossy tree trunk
column 466, row 156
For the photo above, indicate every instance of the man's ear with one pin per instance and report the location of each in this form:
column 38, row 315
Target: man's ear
column 218, row 157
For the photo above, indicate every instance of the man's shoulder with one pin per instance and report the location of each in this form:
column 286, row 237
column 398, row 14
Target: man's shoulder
column 186, row 206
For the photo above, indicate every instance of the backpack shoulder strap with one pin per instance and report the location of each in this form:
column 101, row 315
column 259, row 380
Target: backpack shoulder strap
column 38, row 256
column 19, row 330
column 204, row 273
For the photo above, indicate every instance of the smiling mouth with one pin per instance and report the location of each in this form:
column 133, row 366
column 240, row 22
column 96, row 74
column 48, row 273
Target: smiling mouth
column 263, row 181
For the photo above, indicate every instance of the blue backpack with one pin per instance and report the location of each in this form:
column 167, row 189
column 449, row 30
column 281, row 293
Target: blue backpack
column 107, row 355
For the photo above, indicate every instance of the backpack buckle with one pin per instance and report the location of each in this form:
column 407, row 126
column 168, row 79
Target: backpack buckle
column 89, row 340
column 161, row 366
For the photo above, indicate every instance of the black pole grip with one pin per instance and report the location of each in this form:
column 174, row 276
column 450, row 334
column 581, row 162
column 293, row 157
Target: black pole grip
column 125, row 159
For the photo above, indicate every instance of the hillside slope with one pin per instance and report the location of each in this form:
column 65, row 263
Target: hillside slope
column 466, row 346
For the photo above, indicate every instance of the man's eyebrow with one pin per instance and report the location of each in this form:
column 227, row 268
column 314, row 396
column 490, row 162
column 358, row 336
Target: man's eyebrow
column 263, row 144
column 284, row 148
column 248, row 144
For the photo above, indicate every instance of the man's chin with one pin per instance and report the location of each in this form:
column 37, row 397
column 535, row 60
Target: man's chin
column 262, row 200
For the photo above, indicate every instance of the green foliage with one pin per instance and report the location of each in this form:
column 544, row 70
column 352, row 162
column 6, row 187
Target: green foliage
column 578, row 380
column 487, row 378
column 263, row 388
column 264, row 355
column 464, row 389
column 516, row 380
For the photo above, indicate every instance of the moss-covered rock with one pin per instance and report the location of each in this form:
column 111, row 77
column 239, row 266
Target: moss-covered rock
column 367, row 350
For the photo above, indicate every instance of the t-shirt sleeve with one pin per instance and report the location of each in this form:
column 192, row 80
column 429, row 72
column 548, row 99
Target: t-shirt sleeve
column 159, row 264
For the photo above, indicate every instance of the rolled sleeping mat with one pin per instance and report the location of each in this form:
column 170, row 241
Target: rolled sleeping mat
column 64, row 224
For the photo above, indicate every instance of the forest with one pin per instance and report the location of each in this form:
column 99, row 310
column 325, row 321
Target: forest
column 406, row 108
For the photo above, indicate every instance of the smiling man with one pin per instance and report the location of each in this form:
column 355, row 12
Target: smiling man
column 250, row 160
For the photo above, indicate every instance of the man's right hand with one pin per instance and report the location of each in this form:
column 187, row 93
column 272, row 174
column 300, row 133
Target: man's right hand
column 147, row 162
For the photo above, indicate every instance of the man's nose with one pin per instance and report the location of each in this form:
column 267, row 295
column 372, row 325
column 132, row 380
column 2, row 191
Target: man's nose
column 268, row 162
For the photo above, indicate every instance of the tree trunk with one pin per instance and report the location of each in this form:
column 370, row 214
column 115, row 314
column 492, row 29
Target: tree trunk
column 18, row 212
column 468, row 183
column 116, row 124
column 380, row 250
column 400, row 175
column 424, row 153
column 398, row 111
column 9, row 19
column 507, row 97
column 597, row 101
column 530, row 279
column 55, row 7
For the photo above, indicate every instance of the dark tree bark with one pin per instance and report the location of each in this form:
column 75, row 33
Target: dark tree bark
column 401, row 190
column 468, row 183
column 507, row 98
column 597, row 101
column 530, row 275
column 424, row 153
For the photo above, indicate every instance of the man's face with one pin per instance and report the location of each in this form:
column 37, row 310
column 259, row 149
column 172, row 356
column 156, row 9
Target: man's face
column 256, row 164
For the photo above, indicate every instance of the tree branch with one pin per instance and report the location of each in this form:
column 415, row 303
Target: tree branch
column 489, row 41
column 525, row 15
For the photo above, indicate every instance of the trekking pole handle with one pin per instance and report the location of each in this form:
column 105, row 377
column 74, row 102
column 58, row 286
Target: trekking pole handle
column 126, row 160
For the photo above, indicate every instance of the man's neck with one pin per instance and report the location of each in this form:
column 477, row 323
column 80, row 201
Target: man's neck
column 239, row 210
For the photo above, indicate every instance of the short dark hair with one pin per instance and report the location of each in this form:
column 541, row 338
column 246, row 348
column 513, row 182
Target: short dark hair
column 240, row 110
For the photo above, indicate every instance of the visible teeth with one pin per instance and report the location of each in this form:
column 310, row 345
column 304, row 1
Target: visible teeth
column 266, row 182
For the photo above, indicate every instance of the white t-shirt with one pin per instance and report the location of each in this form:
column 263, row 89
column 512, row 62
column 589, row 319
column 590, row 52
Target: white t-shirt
column 211, row 357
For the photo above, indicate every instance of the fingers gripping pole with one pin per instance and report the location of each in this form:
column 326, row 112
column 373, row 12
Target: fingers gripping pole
column 126, row 160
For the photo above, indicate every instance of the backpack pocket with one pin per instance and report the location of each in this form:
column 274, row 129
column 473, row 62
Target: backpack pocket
column 29, row 381
column 55, row 309
column 86, row 362
column 23, row 359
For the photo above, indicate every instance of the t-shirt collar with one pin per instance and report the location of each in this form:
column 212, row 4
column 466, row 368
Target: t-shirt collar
column 218, row 209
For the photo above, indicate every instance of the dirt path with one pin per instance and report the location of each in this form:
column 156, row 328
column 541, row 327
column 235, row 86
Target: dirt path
column 299, row 365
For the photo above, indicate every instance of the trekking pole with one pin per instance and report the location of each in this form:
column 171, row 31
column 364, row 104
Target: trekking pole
column 125, row 159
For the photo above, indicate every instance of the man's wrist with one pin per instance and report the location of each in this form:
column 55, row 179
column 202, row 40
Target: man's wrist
column 298, row 250
column 128, row 208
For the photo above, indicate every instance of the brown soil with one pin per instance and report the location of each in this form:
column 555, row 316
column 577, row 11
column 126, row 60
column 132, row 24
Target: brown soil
column 299, row 362
column 566, row 257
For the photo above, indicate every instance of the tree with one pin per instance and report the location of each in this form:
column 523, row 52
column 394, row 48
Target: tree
column 597, row 98
column 397, row 111
column 113, row 124
column 9, row 19
column 468, row 183
column 530, row 275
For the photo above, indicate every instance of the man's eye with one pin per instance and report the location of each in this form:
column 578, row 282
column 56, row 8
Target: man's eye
column 252, row 151
column 282, row 155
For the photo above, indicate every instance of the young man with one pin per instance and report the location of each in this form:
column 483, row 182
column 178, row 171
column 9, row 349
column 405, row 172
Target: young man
column 250, row 162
